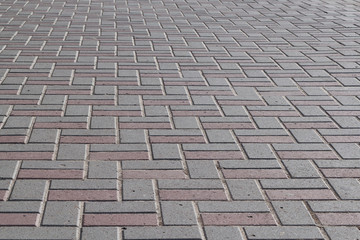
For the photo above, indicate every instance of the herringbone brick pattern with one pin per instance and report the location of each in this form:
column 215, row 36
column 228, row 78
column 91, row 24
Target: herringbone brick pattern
column 173, row 119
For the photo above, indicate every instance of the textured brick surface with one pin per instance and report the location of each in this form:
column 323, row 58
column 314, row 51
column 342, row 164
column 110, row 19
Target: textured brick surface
column 179, row 119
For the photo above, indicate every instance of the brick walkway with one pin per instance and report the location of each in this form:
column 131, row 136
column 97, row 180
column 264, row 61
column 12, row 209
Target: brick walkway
column 173, row 119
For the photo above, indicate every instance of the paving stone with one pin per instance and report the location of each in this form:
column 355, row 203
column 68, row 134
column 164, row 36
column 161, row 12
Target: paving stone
column 301, row 169
column 244, row 190
column 71, row 152
column 38, row 233
column 346, row 188
column 164, row 232
column 165, row 151
column 233, row 206
column 346, row 233
column 178, row 213
column 102, row 169
column 132, row 136
column 7, row 169
column 61, row 213
column 93, row 233
column 347, row 150
column 286, row 210
column 288, row 232
column 137, row 189
column 28, row 190
column 213, row 233
column 120, row 207
column 202, row 169
column 258, row 151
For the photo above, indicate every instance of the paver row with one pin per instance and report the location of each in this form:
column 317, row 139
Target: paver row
column 162, row 119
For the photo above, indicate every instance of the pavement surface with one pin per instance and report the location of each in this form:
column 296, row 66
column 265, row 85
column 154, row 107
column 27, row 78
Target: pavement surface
column 173, row 119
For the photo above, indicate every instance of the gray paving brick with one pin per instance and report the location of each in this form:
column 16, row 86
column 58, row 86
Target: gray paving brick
column 7, row 169
column 71, row 152
column 132, row 136
column 94, row 233
column 155, row 164
column 84, row 184
column 190, row 184
column 225, row 233
column 28, row 190
column 137, row 189
column 286, row 210
column 178, row 213
column 102, row 122
column 61, row 213
column 279, row 232
column 164, row 232
column 43, row 136
column 347, row 122
column 292, row 184
column 120, row 207
column 244, row 189
column 20, row 207
column 249, row 164
column 344, row 233
column 337, row 164
column 77, row 110
column 301, row 169
column 335, row 206
column 347, row 150
column 17, row 122
column 258, row 151
column 233, row 206
column 152, row 111
column 185, row 122
column 102, row 169
column 267, row 122
column 347, row 188
column 202, row 169
column 234, row 111
column 306, row 136
column 43, row 233
column 219, row 136
column 4, row 184
column 165, row 151
column 52, row 165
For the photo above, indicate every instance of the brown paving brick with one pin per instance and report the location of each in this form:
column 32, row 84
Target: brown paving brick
column 87, row 139
column 18, row 219
column 213, row 155
column 177, row 139
column 307, row 155
column 120, row 219
column 50, row 174
column 26, row 155
column 119, row 156
column 341, row 173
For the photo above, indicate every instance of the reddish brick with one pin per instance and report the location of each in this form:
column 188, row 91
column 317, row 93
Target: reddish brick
column 145, row 125
column 18, row 219
column 18, row 102
column 254, row 173
column 82, row 195
column 181, row 83
column 240, row 102
column 177, row 139
column 153, row 174
column 211, row 92
column 314, row 103
column 341, row 172
column 235, row 219
column 339, row 219
column 213, row 155
column 120, row 219
column 88, row 139
column 192, row 195
column 2, row 195
column 265, row 139
column 36, row 113
column 60, row 125
column 116, row 83
column 213, row 125
column 119, row 156
column 26, row 155
column 300, row 194
column 12, row 139
column 343, row 113
column 307, row 155
column 51, row 174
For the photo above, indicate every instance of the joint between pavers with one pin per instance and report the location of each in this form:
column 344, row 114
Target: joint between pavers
column 242, row 150
column 317, row 221
column 56, row 145
column 159, row 217
column 119, row 181
column 218, row 106
column 12, row 182
column 42, row 95
column 203, row 132
column 199, row 220
column 43, row 204
column 279, row 160
column 29, row 130
column 80, row 220
column 183, row 161
column 223, row 181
